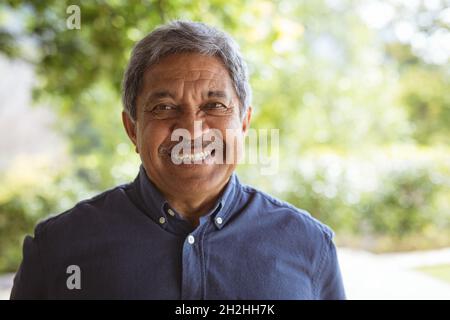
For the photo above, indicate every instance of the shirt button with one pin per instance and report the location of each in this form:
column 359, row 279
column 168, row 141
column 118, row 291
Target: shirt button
column 171, row 212
column 162, row 220
column 191, row 239
column 219, row 220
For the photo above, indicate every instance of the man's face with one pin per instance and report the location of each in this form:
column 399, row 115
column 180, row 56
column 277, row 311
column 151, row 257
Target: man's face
column 194, row 93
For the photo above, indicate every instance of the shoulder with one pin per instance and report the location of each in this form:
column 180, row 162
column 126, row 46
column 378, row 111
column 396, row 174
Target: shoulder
column 287, row 215
column 292, row 229
column 88, row 211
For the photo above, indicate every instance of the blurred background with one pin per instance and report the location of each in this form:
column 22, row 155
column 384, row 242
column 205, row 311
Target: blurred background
column 360, row 91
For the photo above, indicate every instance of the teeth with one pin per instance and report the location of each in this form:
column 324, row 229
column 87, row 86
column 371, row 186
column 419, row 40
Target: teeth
column 194, row 157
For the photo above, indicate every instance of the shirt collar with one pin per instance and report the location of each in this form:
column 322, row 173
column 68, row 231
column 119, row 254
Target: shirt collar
column 157, row 207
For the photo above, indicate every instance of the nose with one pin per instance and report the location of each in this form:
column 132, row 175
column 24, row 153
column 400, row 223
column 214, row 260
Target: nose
column 192, row 121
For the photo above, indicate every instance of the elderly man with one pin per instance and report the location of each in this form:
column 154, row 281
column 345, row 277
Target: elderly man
column 185, row 228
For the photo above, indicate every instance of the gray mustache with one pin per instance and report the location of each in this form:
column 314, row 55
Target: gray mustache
column 184, row 144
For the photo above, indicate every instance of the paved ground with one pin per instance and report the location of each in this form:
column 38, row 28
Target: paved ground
column 393, row 276
column 370, row 276
column 5, row 285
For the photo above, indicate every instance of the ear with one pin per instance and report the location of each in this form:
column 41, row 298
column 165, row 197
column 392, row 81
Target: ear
column 130, row 128
column 246, row 120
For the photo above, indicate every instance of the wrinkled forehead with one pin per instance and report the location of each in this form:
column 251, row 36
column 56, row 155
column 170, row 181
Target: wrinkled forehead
column 188, row 68
column 188, row 75
column 177, row 79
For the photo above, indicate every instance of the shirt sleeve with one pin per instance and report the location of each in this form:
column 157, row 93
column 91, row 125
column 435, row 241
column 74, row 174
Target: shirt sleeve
column 329, row 284
column 29, row 280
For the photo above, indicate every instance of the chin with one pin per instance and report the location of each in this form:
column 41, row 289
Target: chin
column 194, row 172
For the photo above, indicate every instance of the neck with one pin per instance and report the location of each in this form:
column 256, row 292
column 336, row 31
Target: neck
column 195, row 205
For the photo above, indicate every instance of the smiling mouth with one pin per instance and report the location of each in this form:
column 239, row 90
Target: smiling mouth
column 193, row 157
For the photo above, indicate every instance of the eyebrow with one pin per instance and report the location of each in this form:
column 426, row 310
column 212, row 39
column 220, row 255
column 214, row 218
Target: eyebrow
column 217, row 94
column 167, row 94
column 159, row 95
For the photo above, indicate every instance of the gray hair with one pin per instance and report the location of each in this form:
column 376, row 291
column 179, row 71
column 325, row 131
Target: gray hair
column 178, row 37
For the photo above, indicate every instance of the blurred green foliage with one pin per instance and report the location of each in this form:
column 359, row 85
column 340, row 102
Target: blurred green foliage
column 343, row 93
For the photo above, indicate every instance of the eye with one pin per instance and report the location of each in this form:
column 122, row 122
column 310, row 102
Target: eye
column 164, row 107
column 217, row 109
column 164, row 111
column 215, row 105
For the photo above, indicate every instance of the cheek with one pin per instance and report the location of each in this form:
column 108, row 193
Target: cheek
column 235, row 127
column 151, row 136
column 233, row 135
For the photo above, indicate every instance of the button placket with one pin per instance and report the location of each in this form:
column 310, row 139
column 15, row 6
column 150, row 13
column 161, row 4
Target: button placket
column 193, row 273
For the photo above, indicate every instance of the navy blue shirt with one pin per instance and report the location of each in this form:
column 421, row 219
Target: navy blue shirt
column 128, row 243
